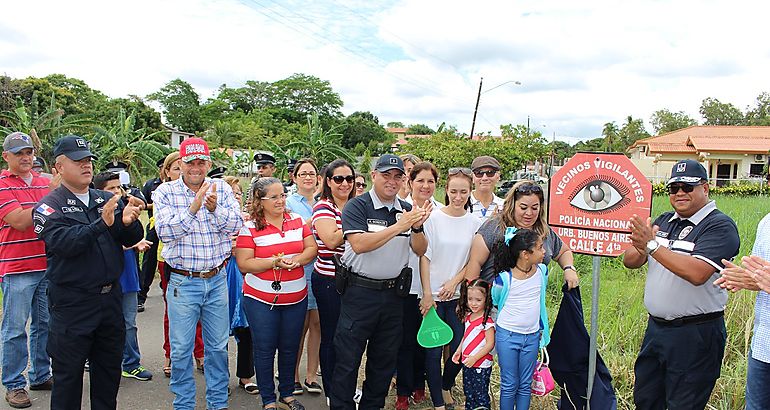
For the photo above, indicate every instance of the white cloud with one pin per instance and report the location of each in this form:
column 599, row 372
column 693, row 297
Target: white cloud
column 581, row 64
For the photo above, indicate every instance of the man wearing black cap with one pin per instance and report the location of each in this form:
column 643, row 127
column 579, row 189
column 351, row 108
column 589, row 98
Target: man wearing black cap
column 84, row 231
column 150, row 260
column 681, row 354
column 265, row 163
column 22, row 266
column 121, row 168
column 379, row 229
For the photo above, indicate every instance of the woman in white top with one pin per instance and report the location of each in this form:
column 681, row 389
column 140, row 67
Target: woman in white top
column 450, row 232
column 410, row 366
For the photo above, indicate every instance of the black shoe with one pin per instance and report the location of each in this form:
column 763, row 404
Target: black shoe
column 313, row 387
column 297, row 389
column 140, row 307
column 292, row 405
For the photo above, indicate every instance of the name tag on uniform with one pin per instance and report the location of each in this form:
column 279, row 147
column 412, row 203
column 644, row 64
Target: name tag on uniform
column 71, row 209
column 376, row 225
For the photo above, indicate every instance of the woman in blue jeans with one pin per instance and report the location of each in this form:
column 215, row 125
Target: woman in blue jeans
column 272, row 247
column 449, row 231
column 517, row 294
column 337, row 189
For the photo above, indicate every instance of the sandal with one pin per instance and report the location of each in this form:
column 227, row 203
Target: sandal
column 250, row 387
column 167, row 368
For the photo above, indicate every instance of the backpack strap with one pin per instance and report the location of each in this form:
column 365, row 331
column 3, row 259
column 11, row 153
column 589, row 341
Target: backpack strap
column 545, row 336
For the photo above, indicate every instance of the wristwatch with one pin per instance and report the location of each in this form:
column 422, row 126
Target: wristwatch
column 418, row 230
column 652, row 246
column 566, row 267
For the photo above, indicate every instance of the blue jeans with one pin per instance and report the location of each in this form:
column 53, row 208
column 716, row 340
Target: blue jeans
column 24, row 295
column 131, row 355
column 278, row 328
column 757, row 384
column 190, row 300
column 436, row 380
column 517, row 355
column 328, row 301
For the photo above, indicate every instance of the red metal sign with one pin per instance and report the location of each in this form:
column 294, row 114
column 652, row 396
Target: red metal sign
column 591, row 199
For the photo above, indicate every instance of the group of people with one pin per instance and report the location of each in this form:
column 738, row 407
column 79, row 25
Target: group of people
column 322, row 261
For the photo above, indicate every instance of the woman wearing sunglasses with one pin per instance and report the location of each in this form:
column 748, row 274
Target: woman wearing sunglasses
column 449, row 231
column 410, row 378
column 524, row 207
column 337, row 190
column 360, row 184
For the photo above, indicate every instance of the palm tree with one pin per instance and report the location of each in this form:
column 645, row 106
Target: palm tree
column 45, row 127
column 324, row 146
column 610, row 133
column 122, row 142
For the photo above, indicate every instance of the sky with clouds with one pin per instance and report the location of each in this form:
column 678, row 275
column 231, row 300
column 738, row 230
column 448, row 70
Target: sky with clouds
column 580, row 64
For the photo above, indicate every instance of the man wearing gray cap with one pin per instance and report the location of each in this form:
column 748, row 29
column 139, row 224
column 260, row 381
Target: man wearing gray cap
column 22, row 264
column 486, row 175
column 681, row 354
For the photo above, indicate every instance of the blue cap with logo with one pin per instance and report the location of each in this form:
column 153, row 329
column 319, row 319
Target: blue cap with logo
column 688, row 171
column 73, row 147
column 388, row 162
column 17, row 141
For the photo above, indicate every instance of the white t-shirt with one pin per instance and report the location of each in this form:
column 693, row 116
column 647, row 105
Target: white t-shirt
column 521, row 310
column 449, row 244
column 84, row 198
column 414, row 260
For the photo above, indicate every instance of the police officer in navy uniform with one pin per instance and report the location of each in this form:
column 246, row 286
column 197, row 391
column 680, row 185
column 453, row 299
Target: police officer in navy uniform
column 379, row 229
column 265, row 163
column 681, row 355
column 84, row 231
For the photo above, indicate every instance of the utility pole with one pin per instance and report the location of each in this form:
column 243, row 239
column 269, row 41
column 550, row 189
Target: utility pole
column 475, row 110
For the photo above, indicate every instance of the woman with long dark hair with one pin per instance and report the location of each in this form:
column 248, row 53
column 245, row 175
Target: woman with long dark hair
column 337, row 190
column 271, row 249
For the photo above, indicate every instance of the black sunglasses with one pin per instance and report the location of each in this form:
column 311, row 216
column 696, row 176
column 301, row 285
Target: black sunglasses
column 527, row 189
column 489, row 173
column 687, row 188
column 340, row 179
column 464, row 171
column 361, row 184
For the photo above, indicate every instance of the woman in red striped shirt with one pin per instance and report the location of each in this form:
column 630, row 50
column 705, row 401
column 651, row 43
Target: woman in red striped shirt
column 338, row 183
column 271, row 249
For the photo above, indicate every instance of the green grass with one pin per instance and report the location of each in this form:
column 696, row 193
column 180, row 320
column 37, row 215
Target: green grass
column 623, row 318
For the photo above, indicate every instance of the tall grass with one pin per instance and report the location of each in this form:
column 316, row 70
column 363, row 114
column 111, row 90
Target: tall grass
column 623, row 318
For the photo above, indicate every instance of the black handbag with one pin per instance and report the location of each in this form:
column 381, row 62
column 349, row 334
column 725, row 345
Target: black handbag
column 341, row 274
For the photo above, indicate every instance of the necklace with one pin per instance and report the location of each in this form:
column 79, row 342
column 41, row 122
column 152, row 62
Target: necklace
column 527, row 273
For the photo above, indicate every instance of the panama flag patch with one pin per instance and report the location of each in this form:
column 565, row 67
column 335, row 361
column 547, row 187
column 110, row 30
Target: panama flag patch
column 45, row 209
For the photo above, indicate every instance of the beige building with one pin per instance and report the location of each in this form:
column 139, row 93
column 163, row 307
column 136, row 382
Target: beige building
column 729, row 153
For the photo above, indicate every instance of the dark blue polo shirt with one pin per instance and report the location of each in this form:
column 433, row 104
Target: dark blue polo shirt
column 367, row 213
column 708, row 235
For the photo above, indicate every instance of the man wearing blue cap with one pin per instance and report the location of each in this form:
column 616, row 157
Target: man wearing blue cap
column 84, row 231
column 681, row 354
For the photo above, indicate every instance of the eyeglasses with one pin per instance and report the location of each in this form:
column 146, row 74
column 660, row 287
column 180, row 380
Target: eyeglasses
column 307, row 175
column 464, row 171
column 274, row 197
column 360, row 184
column 489, row 173
column 338, row 179
column 527, row 189
column 687, row 188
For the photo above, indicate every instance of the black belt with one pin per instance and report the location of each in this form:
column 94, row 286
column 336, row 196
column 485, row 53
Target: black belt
column 204, row 274
column 688, row 320
column 377, row 284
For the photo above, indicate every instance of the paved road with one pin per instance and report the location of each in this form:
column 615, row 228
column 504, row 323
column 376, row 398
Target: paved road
column 154, row 394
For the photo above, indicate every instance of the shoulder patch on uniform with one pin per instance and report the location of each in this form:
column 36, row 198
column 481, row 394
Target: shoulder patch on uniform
column 71, row 201
column 45, row 209
column 99, row 200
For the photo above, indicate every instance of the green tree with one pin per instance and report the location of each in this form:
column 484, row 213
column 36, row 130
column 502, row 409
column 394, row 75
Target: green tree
column 254, row 95
column 395, row 124
column 715, row 112
column 300, row 95
column 181, row 105
column 122, row 141
column 361, row 128
column 365, row 166
column 420, row 129
column 664, row 121
column 592, row 145
column 610, row 133
column 760, row 113
column 632, row 131
column 323, row 145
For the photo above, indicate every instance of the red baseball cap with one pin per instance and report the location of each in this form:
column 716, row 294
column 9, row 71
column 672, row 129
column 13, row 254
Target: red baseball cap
column 194, row 148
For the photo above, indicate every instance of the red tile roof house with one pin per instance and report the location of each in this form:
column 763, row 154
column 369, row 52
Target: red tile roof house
column 729, row 153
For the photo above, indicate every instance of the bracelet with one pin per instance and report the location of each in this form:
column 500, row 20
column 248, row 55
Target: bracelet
column 275, row 262
column 418, row 230
column 568, row 267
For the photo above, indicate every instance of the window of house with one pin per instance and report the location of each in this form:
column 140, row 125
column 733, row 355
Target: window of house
column 756, row 170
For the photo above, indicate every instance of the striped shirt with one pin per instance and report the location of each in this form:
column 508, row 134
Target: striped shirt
column 20, row 251
column 199, row 242
column 474, row 340
column 760, row 344
column 325, row 209
column 269, row 242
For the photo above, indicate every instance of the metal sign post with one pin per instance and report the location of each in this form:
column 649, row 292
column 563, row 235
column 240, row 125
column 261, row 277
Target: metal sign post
column 590, row 201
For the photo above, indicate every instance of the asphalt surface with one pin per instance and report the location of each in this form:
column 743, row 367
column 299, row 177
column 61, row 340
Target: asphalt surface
column 154, row 394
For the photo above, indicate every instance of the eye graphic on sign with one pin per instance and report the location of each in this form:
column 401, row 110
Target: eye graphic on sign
column 599, row 195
